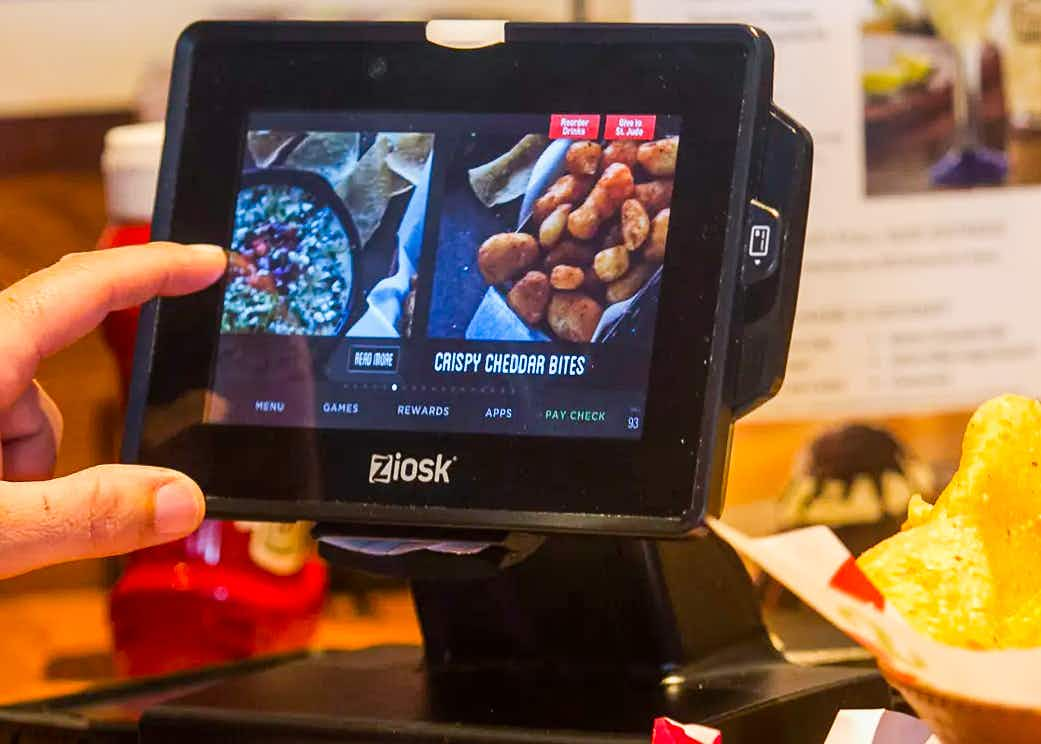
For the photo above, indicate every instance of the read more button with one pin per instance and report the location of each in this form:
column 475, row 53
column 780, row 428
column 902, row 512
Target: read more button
column 373, row 358
column 575, row 415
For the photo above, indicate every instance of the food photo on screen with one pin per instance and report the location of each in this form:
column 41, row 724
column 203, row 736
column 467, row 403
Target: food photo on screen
column 326, row 244
column 559, row 238
column 327, row 233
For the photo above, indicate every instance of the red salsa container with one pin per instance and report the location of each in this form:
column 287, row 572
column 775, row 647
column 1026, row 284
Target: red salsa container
column 228, row 591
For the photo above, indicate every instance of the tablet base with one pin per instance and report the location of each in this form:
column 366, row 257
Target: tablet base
column 385, row 695
column 587, row 639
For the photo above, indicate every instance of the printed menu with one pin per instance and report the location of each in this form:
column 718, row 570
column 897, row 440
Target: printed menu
column 922, row 256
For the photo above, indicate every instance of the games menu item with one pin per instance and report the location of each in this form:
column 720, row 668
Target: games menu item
column 465, row 290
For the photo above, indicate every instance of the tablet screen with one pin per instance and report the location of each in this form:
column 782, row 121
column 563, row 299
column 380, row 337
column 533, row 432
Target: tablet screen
column 482, row 274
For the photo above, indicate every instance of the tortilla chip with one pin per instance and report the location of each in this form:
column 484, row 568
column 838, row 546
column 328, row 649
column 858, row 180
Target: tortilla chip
column 330, row 154
column 409, row 154
column 506, row 177
column 967, row 571
column 369, row 187
column 265, row 145
column 915, row 571
column 1019, row 630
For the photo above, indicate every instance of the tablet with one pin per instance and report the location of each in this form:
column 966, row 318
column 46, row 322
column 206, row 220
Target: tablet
column 523, row 281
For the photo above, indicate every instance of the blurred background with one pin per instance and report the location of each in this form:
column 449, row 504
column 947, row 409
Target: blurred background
column 915, row 266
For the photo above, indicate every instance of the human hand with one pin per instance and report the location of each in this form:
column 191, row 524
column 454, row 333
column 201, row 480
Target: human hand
column 108, row 509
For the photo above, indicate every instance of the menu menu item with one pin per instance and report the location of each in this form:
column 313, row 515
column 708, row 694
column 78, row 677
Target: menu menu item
column 290, row 268
column 600, row 227
column 965, row 571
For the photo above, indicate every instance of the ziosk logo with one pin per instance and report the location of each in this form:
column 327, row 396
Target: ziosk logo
column 394, row 468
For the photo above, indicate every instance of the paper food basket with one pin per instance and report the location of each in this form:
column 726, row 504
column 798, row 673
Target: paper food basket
column 966, row 696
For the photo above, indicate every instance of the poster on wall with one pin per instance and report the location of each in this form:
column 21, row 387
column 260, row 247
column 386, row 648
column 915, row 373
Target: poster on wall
column 919, row 289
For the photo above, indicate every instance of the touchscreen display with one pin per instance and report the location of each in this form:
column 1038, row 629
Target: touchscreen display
column 488, row 274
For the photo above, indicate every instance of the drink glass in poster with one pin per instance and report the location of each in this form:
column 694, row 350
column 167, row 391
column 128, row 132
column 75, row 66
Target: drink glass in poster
column 964, row 23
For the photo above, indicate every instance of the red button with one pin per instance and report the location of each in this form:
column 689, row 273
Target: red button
column 574, row 126
column 629, row 126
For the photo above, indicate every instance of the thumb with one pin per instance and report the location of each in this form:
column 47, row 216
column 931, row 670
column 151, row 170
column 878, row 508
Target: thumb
column 98, row 512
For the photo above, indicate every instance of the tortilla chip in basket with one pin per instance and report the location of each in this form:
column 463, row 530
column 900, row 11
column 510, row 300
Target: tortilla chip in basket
column 967, row 571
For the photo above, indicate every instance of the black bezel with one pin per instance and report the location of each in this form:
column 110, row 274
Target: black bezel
column 718, row 78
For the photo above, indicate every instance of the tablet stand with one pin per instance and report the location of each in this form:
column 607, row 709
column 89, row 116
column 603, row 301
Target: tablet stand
column 587, row 639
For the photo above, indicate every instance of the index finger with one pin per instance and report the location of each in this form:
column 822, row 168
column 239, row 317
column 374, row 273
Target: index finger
column 50, row 309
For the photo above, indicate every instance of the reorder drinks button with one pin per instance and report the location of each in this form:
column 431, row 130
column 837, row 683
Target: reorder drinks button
column 574, row 126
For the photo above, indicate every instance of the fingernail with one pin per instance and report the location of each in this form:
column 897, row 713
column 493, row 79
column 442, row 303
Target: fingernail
column 207, row 249
column 178, row 508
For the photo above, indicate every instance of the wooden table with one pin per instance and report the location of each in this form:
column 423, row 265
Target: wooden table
column 56, row 642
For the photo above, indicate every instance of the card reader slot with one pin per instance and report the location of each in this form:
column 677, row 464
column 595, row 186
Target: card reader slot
column 771, row 260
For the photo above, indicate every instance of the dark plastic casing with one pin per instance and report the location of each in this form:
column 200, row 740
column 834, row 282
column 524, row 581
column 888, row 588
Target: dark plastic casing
column 725, row 313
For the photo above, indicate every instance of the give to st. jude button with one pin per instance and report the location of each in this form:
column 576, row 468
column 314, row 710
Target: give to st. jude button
column 629, row 126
